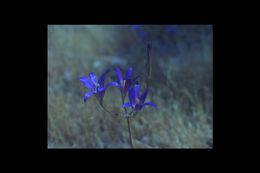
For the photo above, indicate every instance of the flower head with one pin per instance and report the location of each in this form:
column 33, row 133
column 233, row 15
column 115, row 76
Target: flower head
column 124, row 83
column 96, row 87
column 137, row 101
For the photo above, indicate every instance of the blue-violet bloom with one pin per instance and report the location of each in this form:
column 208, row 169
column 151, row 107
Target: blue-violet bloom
column 124, row 83
column 96, row 87
column 137, row 102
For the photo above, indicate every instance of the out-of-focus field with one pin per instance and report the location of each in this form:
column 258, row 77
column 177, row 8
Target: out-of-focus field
column 181, row 86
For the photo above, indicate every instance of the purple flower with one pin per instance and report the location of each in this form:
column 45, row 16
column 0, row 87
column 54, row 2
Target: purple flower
column 137, row 102
column 96, row 87
column 123, row 83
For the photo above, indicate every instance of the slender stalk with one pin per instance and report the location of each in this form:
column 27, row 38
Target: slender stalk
column 128, row 124
column 129, row 132
column 101, row 104
column 114, row 114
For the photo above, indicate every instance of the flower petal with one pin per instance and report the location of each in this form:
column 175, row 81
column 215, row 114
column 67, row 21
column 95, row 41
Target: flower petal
column 101, row 79
column 131, row 95
column 143, row 96
column 86, row 82
column 136, row 91
column 93, row 78
column 87, row 95
column 129, row 73
column 128, row 104
column 127, row 85
column 150, row 104
column 119, row 74
column 100, row 89
column 112, row 84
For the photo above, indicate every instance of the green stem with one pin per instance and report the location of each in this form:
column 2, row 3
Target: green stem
column 129, row 132
column 128, row 124
column 113, row 114
column 123, row 100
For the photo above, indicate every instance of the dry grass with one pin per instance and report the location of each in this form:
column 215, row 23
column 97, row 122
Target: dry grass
column 182, row 93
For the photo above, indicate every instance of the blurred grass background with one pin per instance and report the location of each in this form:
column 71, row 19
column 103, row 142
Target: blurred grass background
column 181, row 85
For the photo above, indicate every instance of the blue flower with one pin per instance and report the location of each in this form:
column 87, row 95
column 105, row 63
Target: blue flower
column 96, row 87
column 123, row 83
column 137, row 102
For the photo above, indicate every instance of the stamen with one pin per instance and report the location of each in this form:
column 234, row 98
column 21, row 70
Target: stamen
column 97, row 84
column 137, row 101
column 123, row 83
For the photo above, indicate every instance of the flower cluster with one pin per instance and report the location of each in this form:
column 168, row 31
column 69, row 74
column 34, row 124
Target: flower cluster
column 126, row 84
